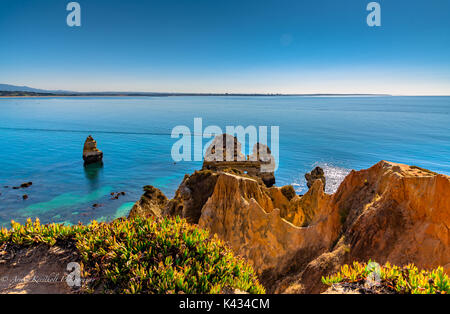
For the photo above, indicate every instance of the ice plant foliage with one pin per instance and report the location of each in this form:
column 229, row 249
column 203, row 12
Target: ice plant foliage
column 35, row 233
column 146, row 255
column 407, row 280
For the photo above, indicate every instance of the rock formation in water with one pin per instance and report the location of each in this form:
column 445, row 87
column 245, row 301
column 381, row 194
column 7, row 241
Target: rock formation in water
column 316, row 174
column 91, row 154
column 389, row 212
column 23, row 186
column 224, row 153
column 150, row 203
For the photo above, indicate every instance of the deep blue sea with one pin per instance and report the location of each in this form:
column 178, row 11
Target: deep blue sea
column 41, row 140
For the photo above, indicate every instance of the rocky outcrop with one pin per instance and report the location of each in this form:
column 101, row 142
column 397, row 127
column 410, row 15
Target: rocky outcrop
column 396, row 213
column 316, row 174
column 91, row 154
column 260, row 223
column 224, row 153
column 191, row 195
column 248, row 216
column 150, row 204
column 389, row 212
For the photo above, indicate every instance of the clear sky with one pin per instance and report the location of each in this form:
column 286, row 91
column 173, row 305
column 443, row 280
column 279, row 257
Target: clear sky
column 280, row 46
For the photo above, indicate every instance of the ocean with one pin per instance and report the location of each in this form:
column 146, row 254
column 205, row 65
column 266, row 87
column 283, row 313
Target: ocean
column 41, row 140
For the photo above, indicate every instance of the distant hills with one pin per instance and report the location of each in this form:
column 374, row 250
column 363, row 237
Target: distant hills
column 14, row 90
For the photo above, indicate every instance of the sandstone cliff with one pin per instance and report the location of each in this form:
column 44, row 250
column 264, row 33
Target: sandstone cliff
column 389, row 212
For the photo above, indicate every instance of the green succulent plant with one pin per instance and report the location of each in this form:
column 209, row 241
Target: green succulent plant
column 145, row 255
column 406, row 280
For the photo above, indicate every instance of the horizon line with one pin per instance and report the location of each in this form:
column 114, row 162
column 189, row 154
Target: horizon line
column 67, row 93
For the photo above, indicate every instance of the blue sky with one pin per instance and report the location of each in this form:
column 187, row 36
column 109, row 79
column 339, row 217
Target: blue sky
column 320, row 46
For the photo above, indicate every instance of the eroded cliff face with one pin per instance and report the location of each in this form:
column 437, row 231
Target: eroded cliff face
column 191, row 195
column 247, row 216
column 389, row 212
column 396, row 213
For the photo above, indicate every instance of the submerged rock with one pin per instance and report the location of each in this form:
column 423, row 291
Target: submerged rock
column 316, row 174
column 91, row 154
column 23, row 186
column 116, row 195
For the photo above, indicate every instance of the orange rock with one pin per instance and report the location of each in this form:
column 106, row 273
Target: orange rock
column 241, row 212
column 150, row 204
column 389, row 212
column 91, row 154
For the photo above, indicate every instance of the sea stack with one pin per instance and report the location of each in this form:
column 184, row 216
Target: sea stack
column 91, row 154
column 224, row 153
column 316, row 174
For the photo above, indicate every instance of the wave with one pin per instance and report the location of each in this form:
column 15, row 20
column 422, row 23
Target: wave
column 334, row 176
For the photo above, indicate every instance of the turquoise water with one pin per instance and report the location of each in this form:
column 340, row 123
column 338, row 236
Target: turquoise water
column 41, row 140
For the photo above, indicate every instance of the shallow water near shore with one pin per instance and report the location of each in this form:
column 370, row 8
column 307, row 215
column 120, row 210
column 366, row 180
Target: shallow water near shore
column 41, row 140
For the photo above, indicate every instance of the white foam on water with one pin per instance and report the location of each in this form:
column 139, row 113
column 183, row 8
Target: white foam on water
column 334, row 176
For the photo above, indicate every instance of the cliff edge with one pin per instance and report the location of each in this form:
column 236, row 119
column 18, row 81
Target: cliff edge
column 389, row 212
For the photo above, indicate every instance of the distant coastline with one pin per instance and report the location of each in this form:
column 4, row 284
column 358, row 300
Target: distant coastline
column 7, row 90
column 15, row 94
column 14, row 91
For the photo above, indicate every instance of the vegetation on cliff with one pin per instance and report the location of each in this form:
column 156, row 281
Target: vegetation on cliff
column 405, row 280
column 145, row 255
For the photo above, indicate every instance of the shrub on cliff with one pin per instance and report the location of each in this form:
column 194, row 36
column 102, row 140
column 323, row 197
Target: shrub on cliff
column 146, row 255
column 406, row 280
column 288, row 191
column 36, row 233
